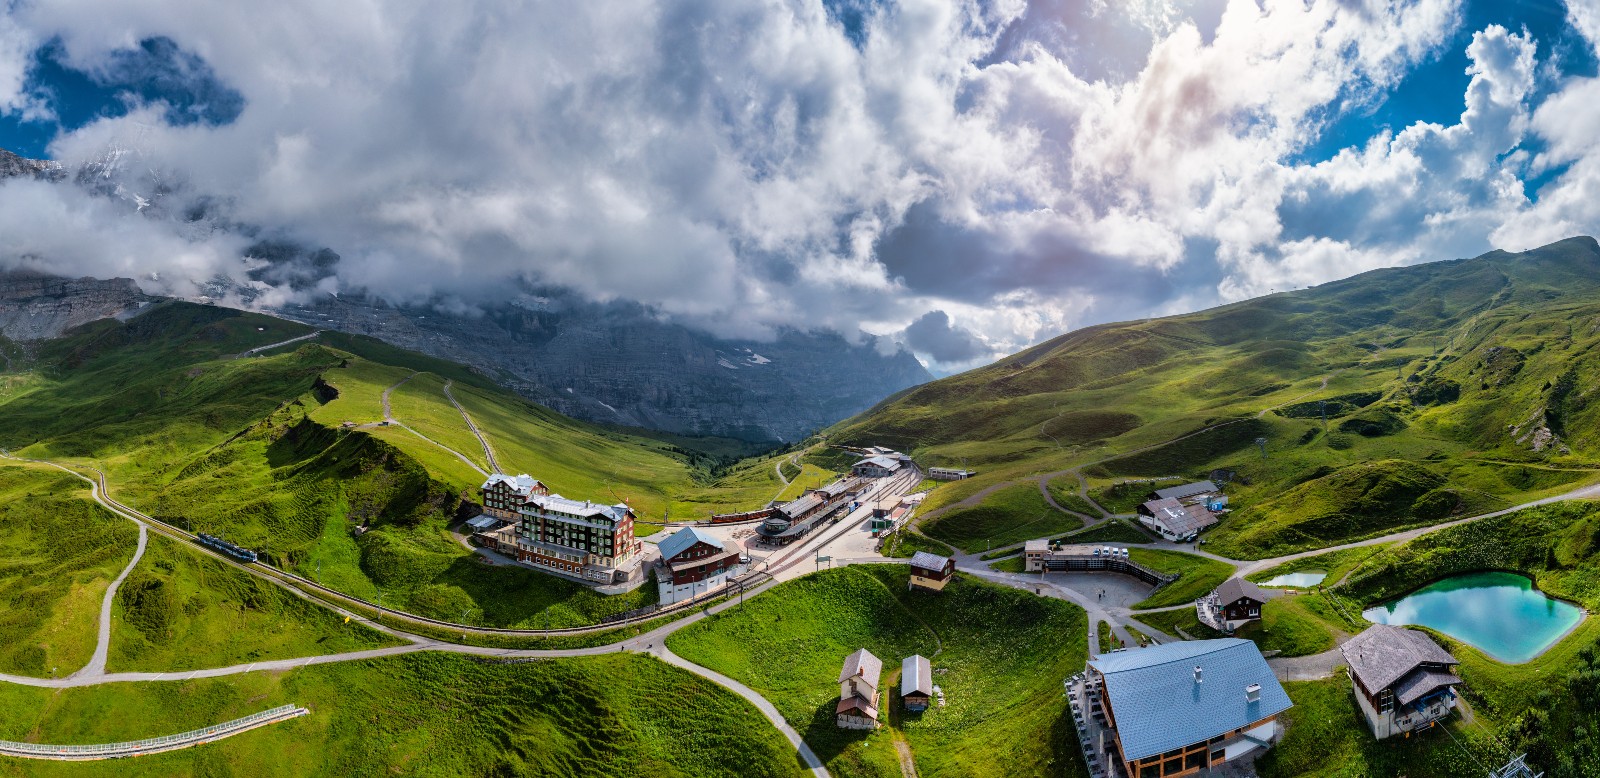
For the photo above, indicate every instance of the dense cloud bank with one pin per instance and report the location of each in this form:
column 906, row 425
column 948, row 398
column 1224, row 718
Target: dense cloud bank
column 969, row 176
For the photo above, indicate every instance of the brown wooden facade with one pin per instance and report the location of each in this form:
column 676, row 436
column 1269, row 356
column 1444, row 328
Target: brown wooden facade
column 699, row 562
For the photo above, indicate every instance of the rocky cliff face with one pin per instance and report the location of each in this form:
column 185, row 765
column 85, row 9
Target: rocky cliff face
column 36, row 306
column 12, row 166
column 617, row 364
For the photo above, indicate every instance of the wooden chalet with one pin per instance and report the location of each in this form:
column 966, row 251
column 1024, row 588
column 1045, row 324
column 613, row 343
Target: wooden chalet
column 1230, row 605
column 931, row 572
column 858, row 691
column 1403, row 680
column 694, row 562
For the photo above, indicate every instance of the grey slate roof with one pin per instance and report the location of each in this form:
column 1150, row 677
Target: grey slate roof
column 864, row 664
column 1158, row 706
column 482, row 522
column 683, row 539
column 1384, row 654
column 522, row 484
column 1232, row 589
column 1421, row 683
column 1180, row 518
column 555, row 503
column 1186, row 491
column 929, row 561
column 881, row 460
column 916, row 675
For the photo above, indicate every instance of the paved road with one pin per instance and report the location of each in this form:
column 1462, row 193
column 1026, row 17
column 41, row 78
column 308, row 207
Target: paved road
column 488, row 451
column 259, row 349
column 784, row 565
column 813, row 764
column 1247, row 567
column 391, row 421
column 102, row 646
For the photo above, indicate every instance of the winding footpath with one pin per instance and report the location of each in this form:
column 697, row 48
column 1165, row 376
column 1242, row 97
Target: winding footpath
column 270, row 346
column 488, row 451
column 785, row 565
column 390, row 421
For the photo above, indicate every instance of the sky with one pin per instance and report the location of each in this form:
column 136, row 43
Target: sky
column 968, row 178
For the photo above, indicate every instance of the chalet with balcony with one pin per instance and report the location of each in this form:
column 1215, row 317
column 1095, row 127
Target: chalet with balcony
column 694, row 563
column 1403, row 680
column 858, row 691
column 1232, row 604
column 1180, row 708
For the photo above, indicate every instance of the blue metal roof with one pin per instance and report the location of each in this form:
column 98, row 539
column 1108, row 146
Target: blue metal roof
column 683, row 539
column 1159, row 707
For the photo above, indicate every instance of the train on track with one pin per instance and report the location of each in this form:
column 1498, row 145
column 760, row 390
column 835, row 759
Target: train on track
column 218, row 544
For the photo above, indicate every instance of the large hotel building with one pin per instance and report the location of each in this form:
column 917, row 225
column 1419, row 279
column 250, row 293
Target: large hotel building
column 578, row 538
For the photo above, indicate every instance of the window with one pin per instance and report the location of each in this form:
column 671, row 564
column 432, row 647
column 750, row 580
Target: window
column 1195, row 760
column 1216, row 757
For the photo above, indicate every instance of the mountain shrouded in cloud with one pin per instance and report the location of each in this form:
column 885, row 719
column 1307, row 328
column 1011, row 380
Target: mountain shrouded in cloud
column 967, row 177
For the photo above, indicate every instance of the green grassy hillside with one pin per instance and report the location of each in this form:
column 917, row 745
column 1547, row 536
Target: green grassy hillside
column 429, row 714
column 182, row 610
column 998, row 653
column 284, row 452
column 1545, row 707
column 58, row 553
column 1478, row 373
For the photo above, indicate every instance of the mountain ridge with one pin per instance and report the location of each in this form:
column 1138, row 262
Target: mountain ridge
column 616, row 363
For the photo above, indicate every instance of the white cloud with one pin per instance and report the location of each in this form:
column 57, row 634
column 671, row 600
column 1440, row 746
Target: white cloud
column 743, row 164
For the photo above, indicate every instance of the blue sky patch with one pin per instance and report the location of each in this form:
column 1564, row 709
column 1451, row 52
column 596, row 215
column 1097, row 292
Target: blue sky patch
column 157, row 71
column 1434, row 91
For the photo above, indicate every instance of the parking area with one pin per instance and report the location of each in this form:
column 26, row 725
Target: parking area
column 1109, row 590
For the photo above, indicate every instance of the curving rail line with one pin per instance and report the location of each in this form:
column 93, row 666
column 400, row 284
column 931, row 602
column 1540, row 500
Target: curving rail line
column 155, row 745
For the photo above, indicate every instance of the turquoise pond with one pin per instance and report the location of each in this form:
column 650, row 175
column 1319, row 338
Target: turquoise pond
column 1304, row 579
column 1500, row 614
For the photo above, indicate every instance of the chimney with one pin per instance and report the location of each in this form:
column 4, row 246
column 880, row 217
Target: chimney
column 1252, row 693
column 1197, row 674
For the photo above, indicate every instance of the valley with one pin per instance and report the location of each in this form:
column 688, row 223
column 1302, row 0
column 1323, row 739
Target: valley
column 1457, row 439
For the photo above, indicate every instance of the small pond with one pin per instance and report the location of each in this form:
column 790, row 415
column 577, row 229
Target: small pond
column 1305, row 579
column 1501, row 614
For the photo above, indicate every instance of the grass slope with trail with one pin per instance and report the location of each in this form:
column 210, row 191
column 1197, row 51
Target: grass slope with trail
column 1010, row 515
column 1450, row 388
column 58, row 553
column 424, row 714
column 998, row 653
column 282, row 453
column 182, row 610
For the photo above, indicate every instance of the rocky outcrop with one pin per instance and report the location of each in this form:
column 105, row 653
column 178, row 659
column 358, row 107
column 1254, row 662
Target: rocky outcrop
column 37, row 306
column 13, row 166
